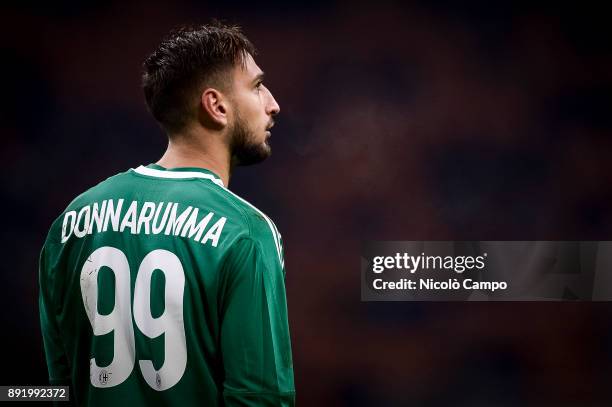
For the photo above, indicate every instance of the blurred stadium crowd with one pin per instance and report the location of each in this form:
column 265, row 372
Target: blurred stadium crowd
column 416, row 122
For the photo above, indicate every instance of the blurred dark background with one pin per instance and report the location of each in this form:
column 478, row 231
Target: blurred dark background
column 399, row 121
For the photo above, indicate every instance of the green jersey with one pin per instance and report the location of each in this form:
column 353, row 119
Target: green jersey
column 162, row 287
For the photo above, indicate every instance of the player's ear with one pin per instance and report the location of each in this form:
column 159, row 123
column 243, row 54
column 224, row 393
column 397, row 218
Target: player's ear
column 214, row 108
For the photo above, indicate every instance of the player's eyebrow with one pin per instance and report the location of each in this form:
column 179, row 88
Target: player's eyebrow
column 258, row 78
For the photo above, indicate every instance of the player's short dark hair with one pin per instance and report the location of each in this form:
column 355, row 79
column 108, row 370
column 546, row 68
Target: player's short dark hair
column 188, row 60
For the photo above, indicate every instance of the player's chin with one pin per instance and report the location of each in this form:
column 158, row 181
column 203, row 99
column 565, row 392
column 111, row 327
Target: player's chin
column 266, row 149
column 251, row 154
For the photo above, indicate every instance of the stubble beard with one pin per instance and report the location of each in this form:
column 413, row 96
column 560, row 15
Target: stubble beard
column 243, row 147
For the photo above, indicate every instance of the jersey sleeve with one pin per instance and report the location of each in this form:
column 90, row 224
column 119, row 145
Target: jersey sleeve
column 255, row 343
column 57, row 362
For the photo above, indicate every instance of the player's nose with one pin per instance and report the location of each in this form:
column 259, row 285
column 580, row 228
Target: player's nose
column 272, row 107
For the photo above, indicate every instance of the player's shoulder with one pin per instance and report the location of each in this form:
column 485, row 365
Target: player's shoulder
column 258, row 226
column 197, row 196
column 81, row 200
column 255, row 219
column 204, row 188
column 241, row 219
column 101, row 189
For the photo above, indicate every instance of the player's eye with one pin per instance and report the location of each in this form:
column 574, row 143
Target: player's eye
column 259, row 85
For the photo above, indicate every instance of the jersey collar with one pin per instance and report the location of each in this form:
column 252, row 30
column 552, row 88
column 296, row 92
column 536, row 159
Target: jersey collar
column 157, row 171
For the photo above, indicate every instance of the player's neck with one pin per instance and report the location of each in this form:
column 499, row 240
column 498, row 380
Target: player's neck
column 185, row 153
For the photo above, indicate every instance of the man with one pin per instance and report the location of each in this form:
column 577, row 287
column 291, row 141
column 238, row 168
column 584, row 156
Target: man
column 159, row 286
